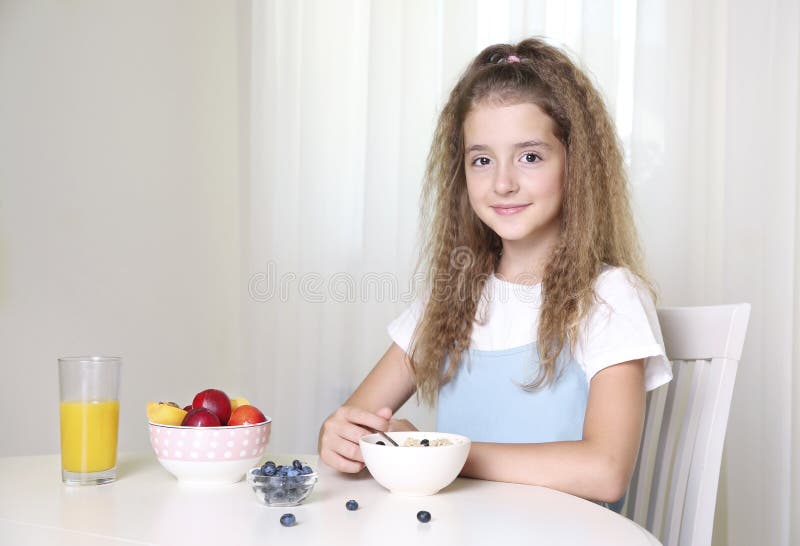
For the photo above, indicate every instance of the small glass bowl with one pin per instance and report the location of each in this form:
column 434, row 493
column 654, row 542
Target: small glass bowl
column 281, row 490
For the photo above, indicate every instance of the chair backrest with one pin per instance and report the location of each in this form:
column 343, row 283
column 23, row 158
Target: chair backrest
column 673, row 490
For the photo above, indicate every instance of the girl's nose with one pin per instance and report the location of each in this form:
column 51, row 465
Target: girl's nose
column 505, row 181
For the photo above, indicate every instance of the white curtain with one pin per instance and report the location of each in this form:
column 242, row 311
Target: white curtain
column 343, row 99
column 715, row 170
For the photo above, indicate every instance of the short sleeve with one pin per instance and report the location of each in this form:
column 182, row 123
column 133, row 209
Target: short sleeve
column 402, row 328
column 623, row 326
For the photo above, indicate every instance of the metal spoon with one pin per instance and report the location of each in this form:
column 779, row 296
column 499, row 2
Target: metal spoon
column 387, row 437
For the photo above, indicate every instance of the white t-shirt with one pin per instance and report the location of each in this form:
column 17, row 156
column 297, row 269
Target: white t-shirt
column 622, row 326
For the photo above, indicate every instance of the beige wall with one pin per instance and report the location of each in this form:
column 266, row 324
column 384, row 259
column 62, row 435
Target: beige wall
column 119, row 211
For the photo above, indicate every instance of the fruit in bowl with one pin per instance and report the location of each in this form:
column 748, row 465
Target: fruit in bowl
column 194, row 446
column 422, row 464
column 215, row 401
column 246, row 415
column 200, row 417
column 165, row 413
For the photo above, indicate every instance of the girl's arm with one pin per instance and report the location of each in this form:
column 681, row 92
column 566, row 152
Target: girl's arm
column 597, row 467
column 387, row 387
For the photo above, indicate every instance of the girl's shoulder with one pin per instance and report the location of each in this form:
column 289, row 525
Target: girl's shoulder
column 614, row 275
column 621, row 294
column 614, row 282
column 622, row 326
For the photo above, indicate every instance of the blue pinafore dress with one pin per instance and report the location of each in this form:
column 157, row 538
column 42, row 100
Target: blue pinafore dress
column 487, row 402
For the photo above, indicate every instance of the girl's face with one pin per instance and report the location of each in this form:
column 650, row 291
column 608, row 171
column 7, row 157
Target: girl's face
column 515, row 171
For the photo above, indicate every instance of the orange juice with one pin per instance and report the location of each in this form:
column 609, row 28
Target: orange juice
column 89, row 435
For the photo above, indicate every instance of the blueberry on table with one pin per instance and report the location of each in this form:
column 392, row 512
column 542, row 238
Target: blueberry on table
column 424, row 516
column 287, row 520
column 425, row 442
column 351, row 505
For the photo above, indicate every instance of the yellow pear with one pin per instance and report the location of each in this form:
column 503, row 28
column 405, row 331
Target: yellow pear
column 236, row 402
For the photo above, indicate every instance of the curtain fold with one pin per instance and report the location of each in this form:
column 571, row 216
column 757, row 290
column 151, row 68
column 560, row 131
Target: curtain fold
column 344, row 100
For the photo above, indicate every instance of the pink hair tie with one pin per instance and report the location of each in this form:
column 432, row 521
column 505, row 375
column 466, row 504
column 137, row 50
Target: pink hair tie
column 512, row 59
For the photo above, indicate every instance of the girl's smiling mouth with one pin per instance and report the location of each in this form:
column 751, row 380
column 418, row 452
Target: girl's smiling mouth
column 507, row 210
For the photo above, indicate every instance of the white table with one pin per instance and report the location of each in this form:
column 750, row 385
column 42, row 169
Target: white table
column 146, row 505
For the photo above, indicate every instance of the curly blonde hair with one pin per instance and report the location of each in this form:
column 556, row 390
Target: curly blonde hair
column 460, row 252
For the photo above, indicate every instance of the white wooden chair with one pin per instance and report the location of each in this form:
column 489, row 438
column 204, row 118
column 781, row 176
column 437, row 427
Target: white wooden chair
column 673, row 490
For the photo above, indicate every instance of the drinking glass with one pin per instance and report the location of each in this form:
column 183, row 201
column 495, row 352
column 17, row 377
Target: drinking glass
column 89, row 410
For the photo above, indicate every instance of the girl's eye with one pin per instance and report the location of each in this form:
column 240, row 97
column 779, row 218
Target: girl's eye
column 530, row 157
column 480, row 161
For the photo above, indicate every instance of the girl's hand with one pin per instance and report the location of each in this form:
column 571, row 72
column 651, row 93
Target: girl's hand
column 401, row 425
column 338, row 440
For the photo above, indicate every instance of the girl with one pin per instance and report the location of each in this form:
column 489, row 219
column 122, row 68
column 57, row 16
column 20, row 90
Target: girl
column 538, row 335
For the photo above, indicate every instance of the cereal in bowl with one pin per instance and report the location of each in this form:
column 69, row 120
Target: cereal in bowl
column 414, row 442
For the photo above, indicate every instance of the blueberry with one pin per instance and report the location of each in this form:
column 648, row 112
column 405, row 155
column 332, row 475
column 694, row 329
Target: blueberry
column 380, row 443
column 287, row 520
column 280, row 495
column 306, row 470
column 425, row 442
column 293, row 473
column 277, row 495
column 297, row 465
column 351, row 505
column 423, row 516
column 257, row 472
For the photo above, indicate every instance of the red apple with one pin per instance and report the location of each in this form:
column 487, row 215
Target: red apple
column 200, row 417
column 246, row 415
column 215, row 401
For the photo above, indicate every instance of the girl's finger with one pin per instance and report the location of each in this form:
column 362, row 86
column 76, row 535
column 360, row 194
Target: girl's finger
column 347, row 449
column 340, row 463
column 353, row 433
column 337, row 439
column 364, row 418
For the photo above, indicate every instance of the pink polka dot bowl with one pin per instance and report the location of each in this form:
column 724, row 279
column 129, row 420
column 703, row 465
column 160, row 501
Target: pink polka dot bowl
column 209, row 455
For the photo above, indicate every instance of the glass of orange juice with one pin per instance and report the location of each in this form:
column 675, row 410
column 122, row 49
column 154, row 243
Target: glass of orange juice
column 89, row 418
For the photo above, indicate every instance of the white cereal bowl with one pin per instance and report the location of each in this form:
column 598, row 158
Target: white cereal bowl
column 415, row 471
column 209, row 455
